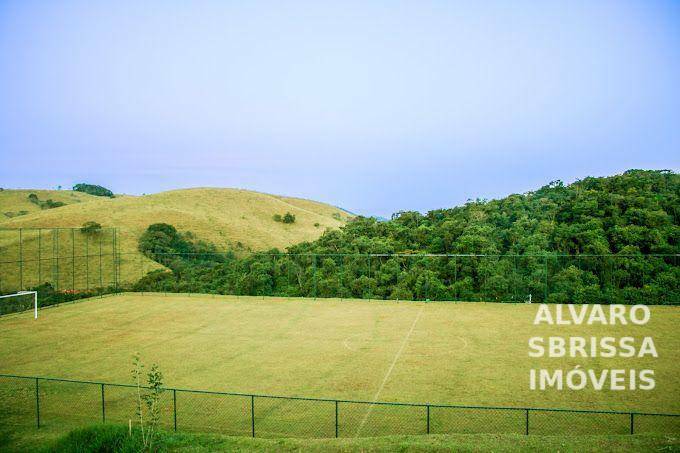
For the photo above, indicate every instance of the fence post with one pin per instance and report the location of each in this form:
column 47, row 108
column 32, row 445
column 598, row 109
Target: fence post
column 526, row 422
column 336, row 419
column 428, row 419
column 252, row 414
column 37, row 403
column 632, row 423
column 103, row 406
column 174, row 407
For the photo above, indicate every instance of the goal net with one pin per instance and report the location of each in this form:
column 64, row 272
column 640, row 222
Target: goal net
column 18, row 302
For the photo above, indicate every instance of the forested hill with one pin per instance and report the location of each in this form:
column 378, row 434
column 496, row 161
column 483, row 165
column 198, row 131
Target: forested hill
column 636, row 212
column 633, row 217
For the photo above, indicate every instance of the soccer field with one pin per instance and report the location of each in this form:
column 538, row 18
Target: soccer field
column 450, row 353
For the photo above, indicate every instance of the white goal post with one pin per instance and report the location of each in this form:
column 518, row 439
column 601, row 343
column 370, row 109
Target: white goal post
column 24, row 293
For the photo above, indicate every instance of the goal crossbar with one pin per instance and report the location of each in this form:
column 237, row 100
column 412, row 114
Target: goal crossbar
column 24, row 293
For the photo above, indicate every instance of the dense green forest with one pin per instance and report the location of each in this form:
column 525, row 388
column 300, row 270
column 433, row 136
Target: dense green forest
column 605, row 240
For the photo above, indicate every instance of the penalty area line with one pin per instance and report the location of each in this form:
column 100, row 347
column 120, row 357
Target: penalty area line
column 389, row 372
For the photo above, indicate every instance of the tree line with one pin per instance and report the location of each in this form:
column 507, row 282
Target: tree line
column 598, row 240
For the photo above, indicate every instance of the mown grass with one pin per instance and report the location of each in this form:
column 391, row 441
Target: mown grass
column 232, row 219
column 457, row 353
column 116, row 438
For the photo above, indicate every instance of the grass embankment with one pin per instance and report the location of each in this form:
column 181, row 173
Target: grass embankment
column 116, row 438
column 231, row 219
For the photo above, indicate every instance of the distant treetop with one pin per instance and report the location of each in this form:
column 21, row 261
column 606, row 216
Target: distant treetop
column 93, row 189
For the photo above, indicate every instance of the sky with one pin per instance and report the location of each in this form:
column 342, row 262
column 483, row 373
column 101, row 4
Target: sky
column 373, row 106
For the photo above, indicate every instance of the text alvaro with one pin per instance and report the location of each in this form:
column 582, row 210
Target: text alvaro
column 577, row 378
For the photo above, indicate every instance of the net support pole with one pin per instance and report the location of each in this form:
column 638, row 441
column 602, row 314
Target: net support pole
column 73, row 259
column 39, row 256
column 370, row 293
column 314, row 272
column 545, row 271
column 21, row 260
column 55, row 250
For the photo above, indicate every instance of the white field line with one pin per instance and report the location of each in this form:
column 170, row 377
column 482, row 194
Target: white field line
column 345, row 343
column 389, row 372
column 465, row 343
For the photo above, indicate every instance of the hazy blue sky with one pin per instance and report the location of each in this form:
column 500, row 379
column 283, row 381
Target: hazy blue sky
column 372, row 106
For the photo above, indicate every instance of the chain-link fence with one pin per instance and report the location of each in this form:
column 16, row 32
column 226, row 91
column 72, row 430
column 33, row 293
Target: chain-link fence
column 38, row 402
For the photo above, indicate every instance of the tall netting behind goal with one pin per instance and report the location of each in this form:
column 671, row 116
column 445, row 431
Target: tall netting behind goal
column 18, row 302
column 67, row 259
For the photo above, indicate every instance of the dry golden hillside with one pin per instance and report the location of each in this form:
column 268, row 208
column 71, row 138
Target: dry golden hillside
column 14, row 203
column 232, row 219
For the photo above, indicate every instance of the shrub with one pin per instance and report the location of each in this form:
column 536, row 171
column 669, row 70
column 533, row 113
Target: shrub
column 48, row 204
column 11, row 214
column 91, row 228
column 286, row 218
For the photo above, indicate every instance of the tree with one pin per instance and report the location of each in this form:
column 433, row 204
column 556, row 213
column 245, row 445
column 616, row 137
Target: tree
column 93, row 189
column 289, row 218
column 148, row 400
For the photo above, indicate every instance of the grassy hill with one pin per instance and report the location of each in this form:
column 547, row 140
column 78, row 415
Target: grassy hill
column 232, row 219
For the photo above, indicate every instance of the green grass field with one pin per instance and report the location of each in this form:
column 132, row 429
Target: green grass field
column 439, row 353
column 458, row 353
